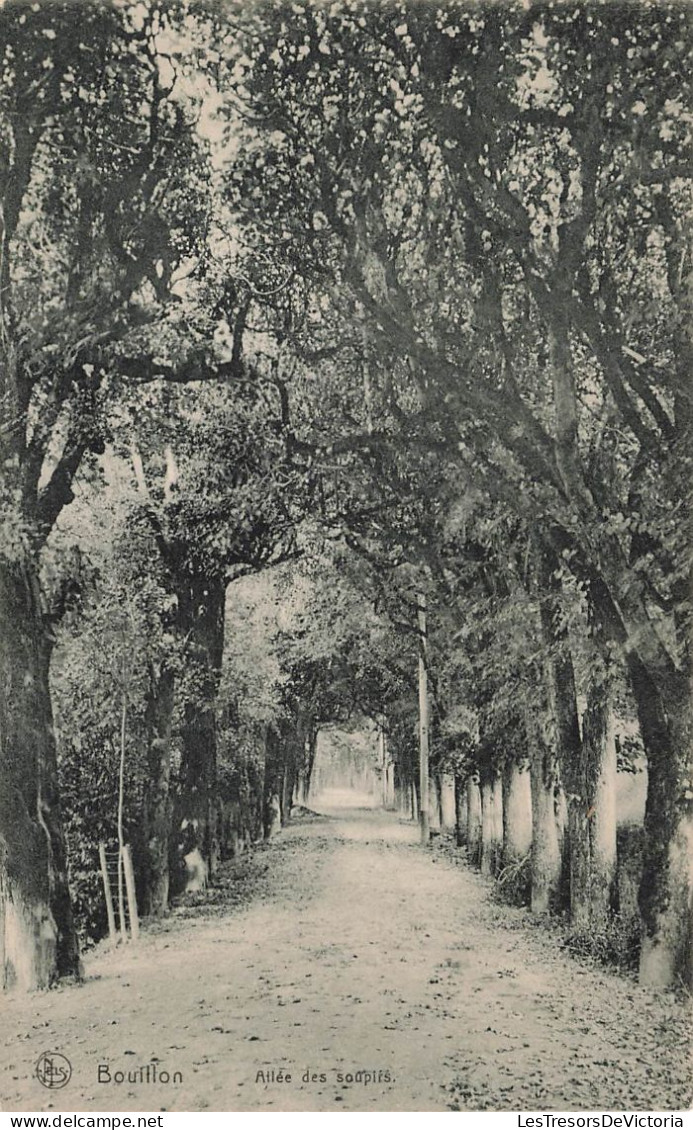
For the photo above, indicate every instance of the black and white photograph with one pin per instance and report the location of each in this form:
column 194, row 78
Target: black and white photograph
column 346, row 727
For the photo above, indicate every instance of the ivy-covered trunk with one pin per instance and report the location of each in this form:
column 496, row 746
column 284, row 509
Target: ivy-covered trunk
column 201, row 617
column 38, row 942
column 666, row 900
column 157, row 801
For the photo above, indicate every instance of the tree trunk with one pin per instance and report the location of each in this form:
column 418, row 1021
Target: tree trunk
column 271, row 807
column 599, row 745
column 310, row 766
column 157, row 801
column 388, row 773
column 460, row 810
column 424, row 723
column 382, row 765
column 473, row 821
column 201, row 611
column 300, row 788
column 546, row 858
column 578, row 862
column 389, row 787
column 291, row 752
column 448, row 813
column 517, row 813
column 434, row 802
column 546, row 855
column 401, row 790
column 38, row 942
column 571, row 755
column 666, row 902
column 491, row 822
column 400, row 798
column 287, row 789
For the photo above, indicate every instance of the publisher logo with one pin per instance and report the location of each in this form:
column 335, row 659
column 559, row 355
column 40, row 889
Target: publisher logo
column 53, row 1070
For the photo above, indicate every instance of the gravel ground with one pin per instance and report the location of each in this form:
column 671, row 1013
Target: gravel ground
column 374, row 973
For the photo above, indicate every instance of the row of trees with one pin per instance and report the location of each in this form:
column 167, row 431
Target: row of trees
column 497, row 201
column 406, row 285
column 111, row 298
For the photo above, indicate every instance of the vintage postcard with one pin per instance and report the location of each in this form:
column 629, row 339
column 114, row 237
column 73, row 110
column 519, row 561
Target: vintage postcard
column 345, row 570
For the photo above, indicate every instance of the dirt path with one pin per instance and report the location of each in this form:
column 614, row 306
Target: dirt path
column 346, row 948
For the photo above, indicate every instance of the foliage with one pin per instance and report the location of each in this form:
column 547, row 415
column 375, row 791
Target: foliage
column 338, row 306
column 513, row 883
column 616, row 942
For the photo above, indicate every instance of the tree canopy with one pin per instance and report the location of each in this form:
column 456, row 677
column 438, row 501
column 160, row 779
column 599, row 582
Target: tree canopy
column 308, row 311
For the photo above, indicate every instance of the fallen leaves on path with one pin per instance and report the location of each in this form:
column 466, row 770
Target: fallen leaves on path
column 342, row 966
